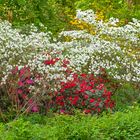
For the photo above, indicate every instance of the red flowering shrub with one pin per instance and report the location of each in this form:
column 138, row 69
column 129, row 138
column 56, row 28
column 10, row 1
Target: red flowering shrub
column 18, row 89
column 83, row 92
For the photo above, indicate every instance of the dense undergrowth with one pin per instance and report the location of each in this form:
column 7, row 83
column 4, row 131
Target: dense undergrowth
column 118, row 126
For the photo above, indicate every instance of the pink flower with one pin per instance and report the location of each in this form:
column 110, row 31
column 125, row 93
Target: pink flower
column 62, row 111
column 20, row 83
column 100, row 86
column 22, row 71
column 86, row 96
column 19, row 91
column 35, row 108
column 29, row 81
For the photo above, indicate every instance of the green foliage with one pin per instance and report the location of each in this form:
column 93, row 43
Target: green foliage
column 112, row 8
column 118, row 126
column 125, row 96
column 52, row 13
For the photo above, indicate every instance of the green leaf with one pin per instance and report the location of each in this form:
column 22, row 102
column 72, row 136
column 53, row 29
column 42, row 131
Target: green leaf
column 21, row 2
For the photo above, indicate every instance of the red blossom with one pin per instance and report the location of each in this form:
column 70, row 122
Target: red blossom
column 77, row 93
column 75, row 100
column 62, row 89
column 59, row 98
column 98, row 110
column 70, row 98
column 75, row 76
column 92, row 90
column 92, row 83
column 69, row 85
column 51, row 61
column 111, row 105
column 86, row 96
column 61, row 103
column 107, row 93
column 83, row 86
column 92, row 100
column 83, row 75
column 97, row 104
column 65, row 63
column 83, row 103
column 24, row 96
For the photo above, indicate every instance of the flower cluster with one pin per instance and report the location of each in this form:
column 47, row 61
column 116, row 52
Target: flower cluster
column 85, row 92
column 18, row 83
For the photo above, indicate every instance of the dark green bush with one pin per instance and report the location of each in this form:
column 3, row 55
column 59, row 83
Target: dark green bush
column 118, row 126
column 126, row 95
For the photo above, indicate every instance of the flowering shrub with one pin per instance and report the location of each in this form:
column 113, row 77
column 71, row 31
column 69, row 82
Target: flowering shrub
column 84, row 92
column 18, row 89
column 111, row 47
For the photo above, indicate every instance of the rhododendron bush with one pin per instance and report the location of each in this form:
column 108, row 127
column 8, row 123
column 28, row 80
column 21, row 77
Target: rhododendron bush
column 39, row 73
column 84, row 92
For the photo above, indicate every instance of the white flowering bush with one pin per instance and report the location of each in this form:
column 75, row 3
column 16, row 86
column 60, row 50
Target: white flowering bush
column 111, row 47
column 17, row 49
